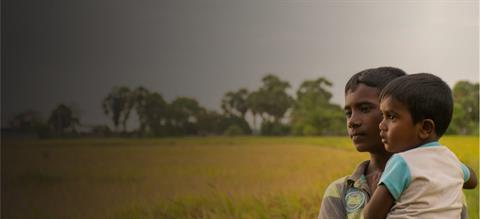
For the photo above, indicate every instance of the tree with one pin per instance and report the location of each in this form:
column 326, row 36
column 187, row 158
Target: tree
column 210, row 122
column 30, row 121
column 140, row 99
column 465, row 113
column 254, row 105
column 272, row 101
column 315, row 90
column 153, row 112
column 235, row 106
column 273, row 97
column 27, row 121
column 62, row 118
column 119, row 103
column 313, row 114
column 183, row 115
column 235, row 102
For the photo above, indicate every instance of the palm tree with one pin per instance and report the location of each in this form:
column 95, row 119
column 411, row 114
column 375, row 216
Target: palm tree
column 236, row 101
column 119, row 103
column 140, row 99
column 254, row 105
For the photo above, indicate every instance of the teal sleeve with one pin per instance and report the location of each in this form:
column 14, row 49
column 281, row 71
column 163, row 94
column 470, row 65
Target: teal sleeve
column 466, row 172
column 396, row 177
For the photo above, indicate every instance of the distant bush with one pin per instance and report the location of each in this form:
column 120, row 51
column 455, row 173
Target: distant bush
column 274, row 128
column 234, row 130
column 101, row 130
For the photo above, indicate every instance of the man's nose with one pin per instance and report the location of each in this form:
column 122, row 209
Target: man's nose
column 354, row 121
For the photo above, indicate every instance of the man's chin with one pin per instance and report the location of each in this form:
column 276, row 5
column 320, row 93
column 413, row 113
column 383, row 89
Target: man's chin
column 362, row 148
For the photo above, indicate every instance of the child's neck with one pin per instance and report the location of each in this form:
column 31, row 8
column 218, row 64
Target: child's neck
column 426, row 141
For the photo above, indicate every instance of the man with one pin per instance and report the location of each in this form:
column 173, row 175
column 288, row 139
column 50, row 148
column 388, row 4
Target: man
column 347, row 196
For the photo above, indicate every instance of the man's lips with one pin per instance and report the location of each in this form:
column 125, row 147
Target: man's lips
column 357, row 136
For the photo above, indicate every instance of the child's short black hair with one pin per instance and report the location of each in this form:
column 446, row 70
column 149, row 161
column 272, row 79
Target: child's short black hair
column 426, row 97
column 373, row 77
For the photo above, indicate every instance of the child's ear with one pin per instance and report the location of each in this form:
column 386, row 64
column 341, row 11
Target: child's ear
column 427, row 128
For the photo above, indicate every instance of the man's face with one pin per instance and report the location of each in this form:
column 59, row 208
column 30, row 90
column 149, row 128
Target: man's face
column 363, row 117
column 397, row 130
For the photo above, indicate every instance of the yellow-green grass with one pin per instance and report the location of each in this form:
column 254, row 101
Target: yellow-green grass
column 211, row 177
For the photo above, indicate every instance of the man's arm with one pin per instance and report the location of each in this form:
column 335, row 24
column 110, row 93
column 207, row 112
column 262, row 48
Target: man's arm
column 332, row 208
column 332, row 202
column 379, row 205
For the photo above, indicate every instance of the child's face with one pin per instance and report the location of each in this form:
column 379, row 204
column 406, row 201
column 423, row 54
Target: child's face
column 363, row 116
column 397, row 131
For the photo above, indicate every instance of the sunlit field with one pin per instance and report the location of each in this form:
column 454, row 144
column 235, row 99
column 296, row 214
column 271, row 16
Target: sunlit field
column 211, row 177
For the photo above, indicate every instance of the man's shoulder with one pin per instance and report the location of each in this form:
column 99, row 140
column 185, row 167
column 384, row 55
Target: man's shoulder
column 335, row 188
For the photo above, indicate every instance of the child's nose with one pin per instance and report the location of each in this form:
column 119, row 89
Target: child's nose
column 382, row 125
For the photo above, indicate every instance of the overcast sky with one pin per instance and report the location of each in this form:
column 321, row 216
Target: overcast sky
column 74, row 52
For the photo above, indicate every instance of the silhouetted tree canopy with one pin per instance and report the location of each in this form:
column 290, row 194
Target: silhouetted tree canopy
column 273, row 97
column 63, row 118
column 235, row 102
column 313, row 114
column 118, row 104
column 310, row 113
column 465, row 113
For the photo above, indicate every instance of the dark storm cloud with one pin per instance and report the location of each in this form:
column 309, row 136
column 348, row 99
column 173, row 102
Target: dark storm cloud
column 76, row 51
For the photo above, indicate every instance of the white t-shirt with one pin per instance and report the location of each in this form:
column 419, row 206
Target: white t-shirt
column 426, row 182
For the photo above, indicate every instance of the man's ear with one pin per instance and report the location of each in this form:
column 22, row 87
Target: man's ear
column 427, row 128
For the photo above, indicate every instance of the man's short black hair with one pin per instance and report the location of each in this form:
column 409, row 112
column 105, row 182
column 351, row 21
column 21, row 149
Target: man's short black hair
column 373, row 77
column 426, row 97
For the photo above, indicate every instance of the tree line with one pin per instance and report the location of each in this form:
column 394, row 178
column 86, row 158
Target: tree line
column 272, row 109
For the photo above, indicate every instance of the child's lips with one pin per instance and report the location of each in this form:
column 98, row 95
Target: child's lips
column 383, row 138
column 384, row 141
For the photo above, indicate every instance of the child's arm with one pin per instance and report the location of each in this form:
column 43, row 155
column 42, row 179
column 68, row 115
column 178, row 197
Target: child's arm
column 471, row 183
column 379, row 205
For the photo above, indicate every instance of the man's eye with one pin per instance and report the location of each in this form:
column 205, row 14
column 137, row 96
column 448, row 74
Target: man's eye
column 348, row 114
column 365, row 109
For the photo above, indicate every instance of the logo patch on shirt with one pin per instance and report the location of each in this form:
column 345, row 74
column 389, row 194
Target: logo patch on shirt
column 354, row 200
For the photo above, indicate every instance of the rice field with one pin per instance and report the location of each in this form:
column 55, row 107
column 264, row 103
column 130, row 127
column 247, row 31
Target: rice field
column 211, row 177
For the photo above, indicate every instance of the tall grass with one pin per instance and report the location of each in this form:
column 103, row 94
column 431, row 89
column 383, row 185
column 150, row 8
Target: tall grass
column 212, row 177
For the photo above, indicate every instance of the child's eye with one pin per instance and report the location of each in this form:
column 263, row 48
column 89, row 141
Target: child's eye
column 390, row 116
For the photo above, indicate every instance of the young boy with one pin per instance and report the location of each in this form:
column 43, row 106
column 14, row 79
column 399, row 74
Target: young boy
column 346, row 197
column 423, row 179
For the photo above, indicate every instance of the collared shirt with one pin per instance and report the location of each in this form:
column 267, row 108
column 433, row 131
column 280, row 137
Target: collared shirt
column 345, row 198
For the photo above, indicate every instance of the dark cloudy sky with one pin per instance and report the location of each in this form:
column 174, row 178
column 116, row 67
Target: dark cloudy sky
column 74, row 52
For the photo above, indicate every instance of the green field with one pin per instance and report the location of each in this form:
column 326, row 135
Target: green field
column 212, row 177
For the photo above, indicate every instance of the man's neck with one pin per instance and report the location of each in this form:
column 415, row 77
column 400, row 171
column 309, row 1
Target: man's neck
column 375, row 169
column 377, row 162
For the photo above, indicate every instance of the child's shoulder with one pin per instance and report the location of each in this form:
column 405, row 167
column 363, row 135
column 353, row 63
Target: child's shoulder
column 424, row 149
